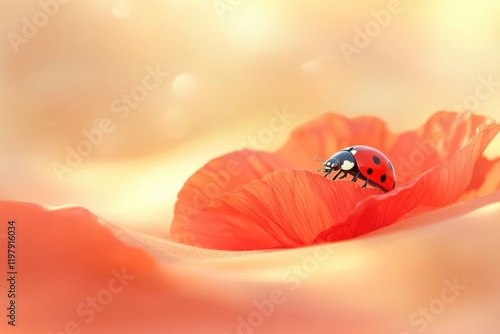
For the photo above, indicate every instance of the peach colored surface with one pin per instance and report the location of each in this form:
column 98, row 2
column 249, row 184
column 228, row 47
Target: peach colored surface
column 368, row 285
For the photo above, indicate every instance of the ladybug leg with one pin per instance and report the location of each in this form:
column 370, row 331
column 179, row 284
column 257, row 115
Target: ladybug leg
column 327, row 173
column 336, row 175
column 355, row 178
column 365, row 184
column 343, row 176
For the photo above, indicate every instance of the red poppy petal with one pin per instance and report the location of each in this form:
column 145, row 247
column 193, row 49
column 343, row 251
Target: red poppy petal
column 415, row 152
column 325, row 135
column 284, row 209
column 412, row 152
column 440, row 186
column 486, row 179
column 66, row 254
column 219, row 176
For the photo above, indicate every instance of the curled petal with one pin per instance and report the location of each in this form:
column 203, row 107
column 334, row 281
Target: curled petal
column 486, row 179
column 69, row 252
column 217, row 177
column 440, row 186
column 284, row 209
column 412, row 152
column 415, row 152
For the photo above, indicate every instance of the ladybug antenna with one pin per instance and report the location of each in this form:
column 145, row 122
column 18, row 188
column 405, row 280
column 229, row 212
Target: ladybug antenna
column 317, row 159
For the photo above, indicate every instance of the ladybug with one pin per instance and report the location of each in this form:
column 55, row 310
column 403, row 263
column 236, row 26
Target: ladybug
column 363, row 162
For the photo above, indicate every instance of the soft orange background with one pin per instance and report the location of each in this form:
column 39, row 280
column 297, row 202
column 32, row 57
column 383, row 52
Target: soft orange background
column 226, row 77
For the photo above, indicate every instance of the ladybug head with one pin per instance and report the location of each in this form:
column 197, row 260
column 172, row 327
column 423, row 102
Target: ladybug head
column 329, row 165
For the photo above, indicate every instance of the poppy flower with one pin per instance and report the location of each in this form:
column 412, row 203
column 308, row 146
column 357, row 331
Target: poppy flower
column 258, row 200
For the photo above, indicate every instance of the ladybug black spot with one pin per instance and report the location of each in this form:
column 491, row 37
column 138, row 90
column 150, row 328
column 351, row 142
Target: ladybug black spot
column 376, row 159
column 383, row 178
column 369, row 171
